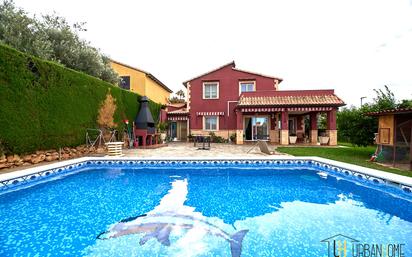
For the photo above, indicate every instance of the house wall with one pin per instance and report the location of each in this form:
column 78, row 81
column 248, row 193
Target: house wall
column 141, row 84
column 155, row 92
column 137, row 78
column 228, row 91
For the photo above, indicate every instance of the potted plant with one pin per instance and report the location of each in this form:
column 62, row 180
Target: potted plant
column 190, row 137
column 162, row 127
column 233, row 137
column 323, row 138
column 292, row 138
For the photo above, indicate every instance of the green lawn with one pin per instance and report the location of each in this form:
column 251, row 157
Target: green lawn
column 348, row 154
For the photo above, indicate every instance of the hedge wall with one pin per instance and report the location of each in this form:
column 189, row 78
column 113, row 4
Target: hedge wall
column 45, row 105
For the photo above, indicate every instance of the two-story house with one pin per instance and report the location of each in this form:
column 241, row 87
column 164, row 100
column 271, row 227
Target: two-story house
column 229, row 100
column 141, row 82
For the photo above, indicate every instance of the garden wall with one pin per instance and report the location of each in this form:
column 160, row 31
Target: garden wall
column 44, row 105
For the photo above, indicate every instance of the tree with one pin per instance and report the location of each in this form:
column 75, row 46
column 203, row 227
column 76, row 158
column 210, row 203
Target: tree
column 180, row 94
column 355, row 127
column 106, row 112
column 51, row 37
column 405, row 103
column 385, row 99
column 175, row 100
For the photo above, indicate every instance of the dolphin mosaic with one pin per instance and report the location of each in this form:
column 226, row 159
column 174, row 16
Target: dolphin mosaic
column 170, row 216
column 159, row 226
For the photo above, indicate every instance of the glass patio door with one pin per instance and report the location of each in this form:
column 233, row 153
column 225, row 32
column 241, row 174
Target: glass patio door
column 173, row 130
column 256, row 128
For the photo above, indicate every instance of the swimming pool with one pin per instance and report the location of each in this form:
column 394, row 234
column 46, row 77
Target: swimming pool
column 201, row 208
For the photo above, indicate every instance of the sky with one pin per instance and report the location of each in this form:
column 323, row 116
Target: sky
column 352, row 46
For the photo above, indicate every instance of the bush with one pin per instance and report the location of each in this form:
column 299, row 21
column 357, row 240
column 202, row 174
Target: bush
column 45, row 105
column 217, row 139
column 355, row 127
column 233, row 137
column 162, row 127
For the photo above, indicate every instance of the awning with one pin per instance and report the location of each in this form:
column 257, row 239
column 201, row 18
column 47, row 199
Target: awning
column 210, row 113
column 176, row 118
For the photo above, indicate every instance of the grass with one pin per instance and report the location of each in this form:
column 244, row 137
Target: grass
column 349, row 154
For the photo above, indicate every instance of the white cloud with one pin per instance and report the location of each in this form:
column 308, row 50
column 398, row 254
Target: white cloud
column 352, row 46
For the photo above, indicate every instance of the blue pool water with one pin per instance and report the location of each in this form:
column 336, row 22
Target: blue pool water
column 285, row 211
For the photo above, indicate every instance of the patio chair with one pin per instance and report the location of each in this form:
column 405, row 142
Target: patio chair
column 263, row 147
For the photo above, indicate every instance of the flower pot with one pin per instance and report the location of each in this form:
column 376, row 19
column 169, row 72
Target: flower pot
column 324, row 140
column 292, row 139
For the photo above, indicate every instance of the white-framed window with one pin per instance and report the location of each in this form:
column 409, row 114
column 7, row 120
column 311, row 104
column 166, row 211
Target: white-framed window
column 211, row 123
column 210, row 90
column 247, row 86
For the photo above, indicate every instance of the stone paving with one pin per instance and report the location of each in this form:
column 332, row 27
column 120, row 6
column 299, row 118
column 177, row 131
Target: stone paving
column 176, row 149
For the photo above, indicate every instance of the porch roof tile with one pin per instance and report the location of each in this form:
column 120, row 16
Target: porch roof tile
column 290, row 98
column 178, row 112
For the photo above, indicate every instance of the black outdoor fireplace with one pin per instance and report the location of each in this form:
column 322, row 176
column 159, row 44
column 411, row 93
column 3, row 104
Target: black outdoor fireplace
column 144, row 119
column 144, row 125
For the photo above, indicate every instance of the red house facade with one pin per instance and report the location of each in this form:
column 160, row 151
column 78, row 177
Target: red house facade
column 229, row 101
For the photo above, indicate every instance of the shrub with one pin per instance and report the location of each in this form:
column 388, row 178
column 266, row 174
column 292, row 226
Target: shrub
column 217, row 139
column 45, row 105
column 233, row 137
column 106, row 112
column 355, row 127
column 162, row 126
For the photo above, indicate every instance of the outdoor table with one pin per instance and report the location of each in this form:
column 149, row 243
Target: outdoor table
column 204, row 141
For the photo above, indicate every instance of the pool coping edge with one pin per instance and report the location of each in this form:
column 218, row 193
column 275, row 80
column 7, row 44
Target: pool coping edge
column 395, row 178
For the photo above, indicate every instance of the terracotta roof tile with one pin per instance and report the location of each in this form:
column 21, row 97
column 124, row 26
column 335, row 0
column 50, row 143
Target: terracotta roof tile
column 391, row 111
column 180, row 111
column 291, row 98
column 176, row 104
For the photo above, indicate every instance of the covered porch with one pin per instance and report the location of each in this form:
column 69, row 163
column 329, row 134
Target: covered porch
column 288, row 117
column 178, row 125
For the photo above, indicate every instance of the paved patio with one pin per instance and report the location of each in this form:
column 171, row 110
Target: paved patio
column 176, row 149
column 179, row 149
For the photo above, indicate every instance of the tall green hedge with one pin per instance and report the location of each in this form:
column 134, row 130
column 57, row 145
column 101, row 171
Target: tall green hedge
column 44, row 105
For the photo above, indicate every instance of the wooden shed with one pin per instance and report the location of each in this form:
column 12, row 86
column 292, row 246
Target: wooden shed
column 394, row 137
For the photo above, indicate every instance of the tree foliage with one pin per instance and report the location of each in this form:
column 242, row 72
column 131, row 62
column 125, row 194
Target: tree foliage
column 52, row 38
column 176, row 100
column 405, row 103
column 180, row 94
column 356, row 127
column 385, row 99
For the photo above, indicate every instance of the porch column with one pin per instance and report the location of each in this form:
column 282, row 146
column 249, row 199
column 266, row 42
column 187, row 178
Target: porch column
column 313, row 128
column 187, row 129
column 331, row 127
column 239, row 127
column 284, row 132
column 300, row 129
column 274, row 132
